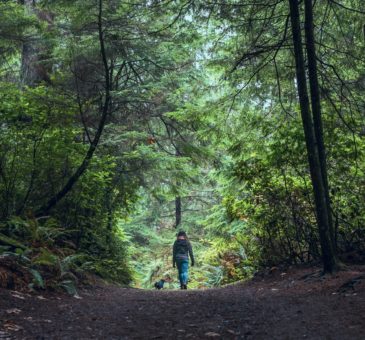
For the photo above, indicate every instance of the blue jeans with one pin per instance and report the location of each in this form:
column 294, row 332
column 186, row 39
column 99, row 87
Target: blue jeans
column 183, row 267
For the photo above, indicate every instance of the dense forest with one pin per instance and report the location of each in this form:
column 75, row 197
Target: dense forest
column 123, row 122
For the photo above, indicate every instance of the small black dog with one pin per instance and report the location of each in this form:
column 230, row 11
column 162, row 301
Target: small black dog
column 159, row 284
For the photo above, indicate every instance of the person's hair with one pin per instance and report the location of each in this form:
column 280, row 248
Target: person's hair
column 181, row 233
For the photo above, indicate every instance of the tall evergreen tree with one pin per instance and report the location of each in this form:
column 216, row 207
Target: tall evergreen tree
column 315, row 147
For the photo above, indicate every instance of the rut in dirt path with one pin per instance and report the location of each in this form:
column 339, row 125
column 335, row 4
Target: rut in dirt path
column 236, row 312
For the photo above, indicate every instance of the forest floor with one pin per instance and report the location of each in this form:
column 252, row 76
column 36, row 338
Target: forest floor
column 277, row 305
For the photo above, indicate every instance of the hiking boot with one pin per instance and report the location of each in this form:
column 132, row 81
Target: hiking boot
column 185, row 287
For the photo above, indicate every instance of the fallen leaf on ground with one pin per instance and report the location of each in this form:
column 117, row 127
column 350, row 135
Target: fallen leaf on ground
column 13, row 311
column 212, row 334
column 18, row 296
column 11, row 326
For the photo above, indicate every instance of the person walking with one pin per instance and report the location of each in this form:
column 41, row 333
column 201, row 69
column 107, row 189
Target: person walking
column 181, row 251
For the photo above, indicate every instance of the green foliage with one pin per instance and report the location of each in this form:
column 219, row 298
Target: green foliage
column 10, row 242
column 202, row 108
column 38, row 281
column 54, row 262
column 69, row 287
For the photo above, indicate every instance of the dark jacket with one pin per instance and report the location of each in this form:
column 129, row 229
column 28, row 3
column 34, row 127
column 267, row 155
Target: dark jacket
column 181, row 251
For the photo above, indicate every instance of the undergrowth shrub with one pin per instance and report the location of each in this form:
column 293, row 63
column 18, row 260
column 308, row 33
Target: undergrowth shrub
column 46, row 256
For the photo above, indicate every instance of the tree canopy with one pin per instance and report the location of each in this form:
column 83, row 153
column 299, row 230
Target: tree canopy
column 122, row 122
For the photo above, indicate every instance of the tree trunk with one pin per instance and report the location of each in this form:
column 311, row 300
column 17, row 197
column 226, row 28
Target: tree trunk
column 316, row 106
column 177, row 198
column 177, row 211
column 328, row 255
column 34, row 66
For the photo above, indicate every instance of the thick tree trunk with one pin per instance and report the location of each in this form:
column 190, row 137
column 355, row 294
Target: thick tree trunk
column 316, row 106
column 34, row 67
column 30, row 64
column 328, row 255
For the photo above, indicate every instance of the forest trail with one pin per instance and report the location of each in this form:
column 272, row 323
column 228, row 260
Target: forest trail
column 281, row 306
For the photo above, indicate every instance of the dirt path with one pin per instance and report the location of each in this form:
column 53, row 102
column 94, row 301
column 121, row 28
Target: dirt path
column 284, row 306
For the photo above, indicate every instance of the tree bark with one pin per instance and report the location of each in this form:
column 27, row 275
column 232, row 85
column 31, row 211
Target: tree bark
column 177, row 211
column 316, row 106
column 34, row 65
column 328, row 255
